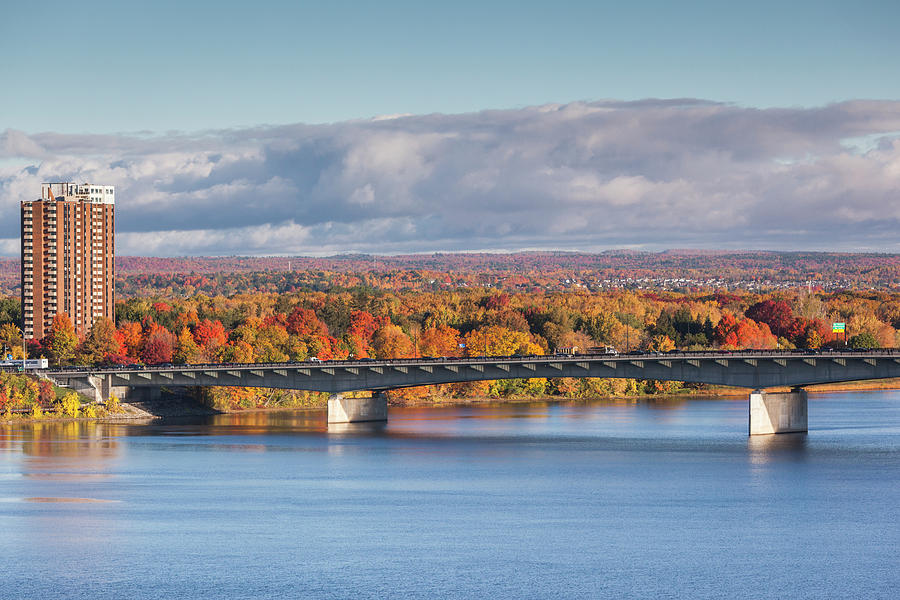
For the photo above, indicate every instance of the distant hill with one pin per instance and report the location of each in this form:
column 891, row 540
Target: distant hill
column 671, row 269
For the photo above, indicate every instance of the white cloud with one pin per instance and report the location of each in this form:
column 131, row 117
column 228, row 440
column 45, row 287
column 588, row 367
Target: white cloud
column 652, row 174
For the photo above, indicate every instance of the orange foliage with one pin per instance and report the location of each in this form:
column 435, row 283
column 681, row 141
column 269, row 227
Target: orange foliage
column 442, row 340
column 130, row 336
column 745, row 333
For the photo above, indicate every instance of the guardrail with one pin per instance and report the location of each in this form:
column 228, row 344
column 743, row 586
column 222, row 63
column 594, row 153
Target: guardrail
column 633, row 355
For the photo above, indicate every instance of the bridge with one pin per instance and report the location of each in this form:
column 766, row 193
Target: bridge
column 753, row 369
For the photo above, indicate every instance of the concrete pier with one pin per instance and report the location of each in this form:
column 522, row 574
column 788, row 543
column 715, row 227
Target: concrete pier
column 778, row 412
column 357, row 410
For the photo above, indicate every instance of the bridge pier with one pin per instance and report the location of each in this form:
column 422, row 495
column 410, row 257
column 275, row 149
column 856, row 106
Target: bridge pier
column 778, row 412
column 357, row 410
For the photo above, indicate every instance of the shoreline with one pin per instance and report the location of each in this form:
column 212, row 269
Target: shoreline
column 186, row 408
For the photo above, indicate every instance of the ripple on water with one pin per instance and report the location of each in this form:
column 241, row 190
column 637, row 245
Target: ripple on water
column 46, row 499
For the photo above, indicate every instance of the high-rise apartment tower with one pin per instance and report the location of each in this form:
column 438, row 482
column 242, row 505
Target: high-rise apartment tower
column 68, row 248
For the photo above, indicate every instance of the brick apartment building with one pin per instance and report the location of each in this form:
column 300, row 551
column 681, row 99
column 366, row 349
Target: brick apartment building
column 68, row 249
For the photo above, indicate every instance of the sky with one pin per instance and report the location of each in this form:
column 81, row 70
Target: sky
column 319, row 128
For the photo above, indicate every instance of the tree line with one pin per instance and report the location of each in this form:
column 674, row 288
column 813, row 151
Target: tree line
column 370, row 323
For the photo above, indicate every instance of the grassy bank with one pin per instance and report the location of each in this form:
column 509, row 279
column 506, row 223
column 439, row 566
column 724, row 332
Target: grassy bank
column 27, row 397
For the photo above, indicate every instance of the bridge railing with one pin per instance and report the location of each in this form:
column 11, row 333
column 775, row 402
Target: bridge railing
column 633, row 355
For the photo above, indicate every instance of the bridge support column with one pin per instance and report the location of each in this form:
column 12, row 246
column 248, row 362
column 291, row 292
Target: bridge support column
column 778, row 412
column 357, row 410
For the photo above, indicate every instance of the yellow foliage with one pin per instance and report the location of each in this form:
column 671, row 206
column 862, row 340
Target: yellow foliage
column 499, row 341
column 661, row 343
column 112, row 405
column 71, row 404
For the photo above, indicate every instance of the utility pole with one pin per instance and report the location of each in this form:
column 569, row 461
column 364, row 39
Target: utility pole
column 24, row 351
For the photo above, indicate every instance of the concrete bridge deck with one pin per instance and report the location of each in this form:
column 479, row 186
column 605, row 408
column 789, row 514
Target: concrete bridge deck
column 750, row 369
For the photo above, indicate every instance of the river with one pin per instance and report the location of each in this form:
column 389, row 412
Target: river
column 662, row 499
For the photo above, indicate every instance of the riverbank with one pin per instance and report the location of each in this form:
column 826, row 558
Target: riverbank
column 187, row 407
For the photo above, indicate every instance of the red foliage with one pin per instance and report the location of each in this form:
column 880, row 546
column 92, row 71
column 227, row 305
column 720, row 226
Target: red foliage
column 497, row 302
column 777, row 315
column 745, row 333
column 159, row 347
column 130, row 336
column 161, row 307
column 116, row 359
column 276, row 319
column 363, row 325
column 209, row 334
column 46, row 395
column 810, row 333
column 303, row 321
column 723, row 298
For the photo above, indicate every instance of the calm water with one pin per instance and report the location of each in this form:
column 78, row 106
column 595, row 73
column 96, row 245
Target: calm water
column 660, row 500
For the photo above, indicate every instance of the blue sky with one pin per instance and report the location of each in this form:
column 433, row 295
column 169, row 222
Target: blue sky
column 276, row 127
column 102, row 67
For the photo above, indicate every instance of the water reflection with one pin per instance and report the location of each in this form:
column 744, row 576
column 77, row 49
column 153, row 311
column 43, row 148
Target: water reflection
column 264, row 422
column 777, row 447
column 87, row 440
column 368, row 428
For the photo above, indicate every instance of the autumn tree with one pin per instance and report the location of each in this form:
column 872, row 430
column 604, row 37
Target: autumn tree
column 362, row 328
column 778, row 315
column 661, row 343
column 601, row 327
column 61, row 341
column 499, row 341
column 389, row 341
column 46, row 395
column 11, row 340
column 441, row 340
column 240, row 352
column 270, row 343
column 100, row 342
column 131, row 337
column 744, row 333
column 159, row 347
column 303, row 321
column 209, row 334
column 186, row 349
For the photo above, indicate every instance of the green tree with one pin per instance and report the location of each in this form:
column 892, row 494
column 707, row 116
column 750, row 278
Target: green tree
column 863, row 340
